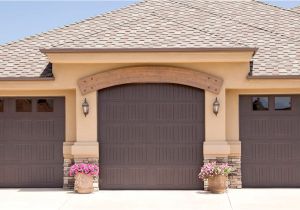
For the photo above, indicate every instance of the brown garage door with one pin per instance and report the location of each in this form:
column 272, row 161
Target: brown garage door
column 270, row 137
column 32, row 131
column 151, row 136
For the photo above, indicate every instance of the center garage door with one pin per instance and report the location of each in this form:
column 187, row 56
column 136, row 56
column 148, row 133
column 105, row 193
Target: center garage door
column 151, row 136
column 32, row 131
column 270, row 137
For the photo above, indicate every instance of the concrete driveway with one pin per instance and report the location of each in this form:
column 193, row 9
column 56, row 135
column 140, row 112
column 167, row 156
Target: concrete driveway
column 58, row 199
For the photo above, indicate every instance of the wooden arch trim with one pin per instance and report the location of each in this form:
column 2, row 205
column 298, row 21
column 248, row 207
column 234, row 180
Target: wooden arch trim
column 150, row 74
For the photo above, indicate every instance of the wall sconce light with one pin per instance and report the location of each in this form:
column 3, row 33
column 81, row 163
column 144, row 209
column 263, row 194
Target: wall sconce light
column 85, row 107
column 216, row 106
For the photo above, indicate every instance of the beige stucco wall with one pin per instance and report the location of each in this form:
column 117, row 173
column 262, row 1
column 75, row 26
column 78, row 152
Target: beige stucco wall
column 221, row 132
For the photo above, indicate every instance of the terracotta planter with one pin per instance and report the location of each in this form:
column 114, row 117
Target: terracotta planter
column 83, row 183
column 217, row 184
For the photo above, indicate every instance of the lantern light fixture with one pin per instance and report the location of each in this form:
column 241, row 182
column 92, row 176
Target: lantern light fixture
column 216, row 106
column 85, row 107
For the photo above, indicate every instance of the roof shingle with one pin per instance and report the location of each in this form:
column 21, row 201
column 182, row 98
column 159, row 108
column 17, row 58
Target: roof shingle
column 172, row 24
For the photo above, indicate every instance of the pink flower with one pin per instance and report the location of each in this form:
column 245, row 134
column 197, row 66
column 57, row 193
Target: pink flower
column 212, row 169
column 89, row 169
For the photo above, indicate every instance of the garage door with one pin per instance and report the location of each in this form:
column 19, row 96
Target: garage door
column 270, row 137
column 32, row 131
column 151, row 136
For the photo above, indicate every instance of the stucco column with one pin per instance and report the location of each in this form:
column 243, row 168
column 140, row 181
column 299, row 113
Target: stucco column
column 215, row 144
column 86, row 145
column 221, row 136
column 85, row 149
column 232, row 122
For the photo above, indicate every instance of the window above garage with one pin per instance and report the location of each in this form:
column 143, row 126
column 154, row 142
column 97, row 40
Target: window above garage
column 283, row 102
column 45, row 105
column 23, row 105
column 260, row 103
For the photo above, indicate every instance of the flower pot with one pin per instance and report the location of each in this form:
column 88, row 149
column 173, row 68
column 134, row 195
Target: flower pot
column 217, row 184
column 83, row 183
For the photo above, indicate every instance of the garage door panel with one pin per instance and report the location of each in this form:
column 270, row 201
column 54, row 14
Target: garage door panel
column 131, row 177
column 124, row 154
column 151, row 136
column 271, row 176
column 270, row 151
column 177, row 154
column 30, row 151
column 27, row 129
column 161, row 154
column 150, row 178
column 270, row 144
column 30, row 176
column 36, row 152
column 122, row 132
column 164, row 111
column 138, row 132
column 185, row 133
column 271, row 127
column 151, row 92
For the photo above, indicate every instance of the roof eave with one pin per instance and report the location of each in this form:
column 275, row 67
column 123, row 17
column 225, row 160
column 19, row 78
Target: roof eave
column 112, row 50
column 27, row 78
column 274, row 77
column 148, row 55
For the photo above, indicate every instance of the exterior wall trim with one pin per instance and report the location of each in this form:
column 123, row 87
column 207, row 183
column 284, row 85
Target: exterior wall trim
column 150, row 74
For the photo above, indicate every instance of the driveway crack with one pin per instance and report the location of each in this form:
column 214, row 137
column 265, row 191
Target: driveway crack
column 66, row 201
column 229, row 200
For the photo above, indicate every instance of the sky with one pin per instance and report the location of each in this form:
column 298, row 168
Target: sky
column 22, row 18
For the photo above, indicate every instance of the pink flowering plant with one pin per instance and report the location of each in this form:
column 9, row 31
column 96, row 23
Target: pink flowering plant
column 213, row 169
column 88, row 169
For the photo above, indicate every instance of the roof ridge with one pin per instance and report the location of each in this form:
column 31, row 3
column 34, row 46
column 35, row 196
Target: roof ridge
column 71, row 24
column 232, row 19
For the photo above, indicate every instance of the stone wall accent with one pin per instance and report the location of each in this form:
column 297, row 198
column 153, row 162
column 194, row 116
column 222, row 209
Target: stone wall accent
column 68, row 180
column 234, row 180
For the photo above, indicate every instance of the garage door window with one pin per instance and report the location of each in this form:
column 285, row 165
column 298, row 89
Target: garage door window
column 23, row 105
column 283, row 103
column 260, row 103
column 1, row 105
column 45, row 105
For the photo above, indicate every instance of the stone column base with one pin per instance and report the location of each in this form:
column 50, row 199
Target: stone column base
column 234, row 180
column 69, row 180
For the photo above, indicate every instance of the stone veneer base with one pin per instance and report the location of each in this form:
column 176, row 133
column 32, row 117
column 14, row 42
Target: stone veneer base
column 69, row 180
column 235, row 179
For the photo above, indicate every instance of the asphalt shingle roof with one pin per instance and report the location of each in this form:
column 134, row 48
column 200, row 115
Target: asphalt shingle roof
column 171, row 24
